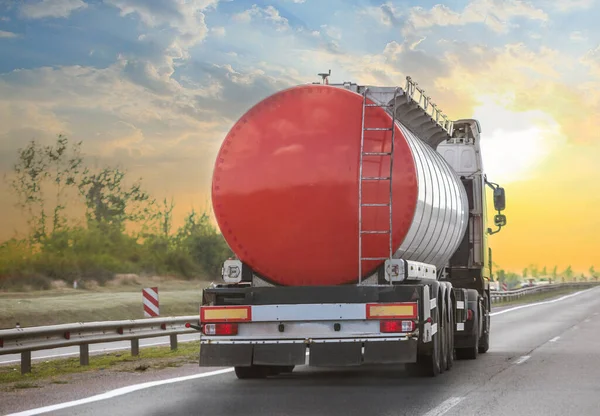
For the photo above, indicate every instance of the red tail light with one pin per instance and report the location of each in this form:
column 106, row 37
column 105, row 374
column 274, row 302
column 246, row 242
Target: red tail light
column 220, row 329
column 396, row 326
column 67, row 335
column 469, row 314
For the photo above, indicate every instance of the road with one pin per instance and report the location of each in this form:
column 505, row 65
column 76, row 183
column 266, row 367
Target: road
column 94, row 348
column 544, row 360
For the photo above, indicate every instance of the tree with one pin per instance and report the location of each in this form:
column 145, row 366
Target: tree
column 534, row 271
column 28, row 175
column 554, row 272
column 501, row 275
column 165, row 217
column 63, row 171
column 201, row 240
column 544, row 271
column 568, row 273
column 41, row 171
column 593, row 273
column 110, row 203
column 525, row 273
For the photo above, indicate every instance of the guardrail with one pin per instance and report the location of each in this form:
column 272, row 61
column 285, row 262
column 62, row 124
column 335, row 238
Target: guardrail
column 510, row 295
column 25, row 340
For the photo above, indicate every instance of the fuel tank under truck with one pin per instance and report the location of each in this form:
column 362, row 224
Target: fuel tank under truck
column 285, row 190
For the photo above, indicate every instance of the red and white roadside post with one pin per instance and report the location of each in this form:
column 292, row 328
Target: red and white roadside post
column 150, row 301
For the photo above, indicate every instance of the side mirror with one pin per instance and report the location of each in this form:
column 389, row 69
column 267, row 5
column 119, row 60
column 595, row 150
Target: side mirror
column 499, row 220
column 499, row 199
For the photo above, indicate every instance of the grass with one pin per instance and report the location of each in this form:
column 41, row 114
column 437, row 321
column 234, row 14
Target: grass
column 537, row 297
column 57, row 371
column 177, row 297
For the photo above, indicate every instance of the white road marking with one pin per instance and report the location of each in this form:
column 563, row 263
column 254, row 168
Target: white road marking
column 555, row 339
column 444, row 406
column 529, row 305
column 522, row 359
column 118, row 392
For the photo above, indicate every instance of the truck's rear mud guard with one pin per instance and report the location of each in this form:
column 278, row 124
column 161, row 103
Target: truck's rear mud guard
column 319, row 354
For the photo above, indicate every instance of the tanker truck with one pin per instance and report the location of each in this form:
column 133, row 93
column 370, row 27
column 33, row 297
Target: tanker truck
column 358, row 219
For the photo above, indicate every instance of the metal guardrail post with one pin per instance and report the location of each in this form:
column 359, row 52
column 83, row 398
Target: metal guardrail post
column 135, row 347
column 84, row 354
column 173, row 342
column 26, row 362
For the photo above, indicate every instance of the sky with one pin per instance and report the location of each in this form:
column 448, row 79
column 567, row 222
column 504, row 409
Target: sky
column 154, row 86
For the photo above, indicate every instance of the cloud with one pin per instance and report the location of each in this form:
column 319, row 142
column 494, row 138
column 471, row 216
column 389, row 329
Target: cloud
column 522, row 79
column 386, row 14
column 577, row 36
column 38, row 9
column 7, row 35
column 174, row 26
column 218, row 31
column 592, row 60
column 496, row 14
column 569, row 5
column 269, row 14
column 185, row 17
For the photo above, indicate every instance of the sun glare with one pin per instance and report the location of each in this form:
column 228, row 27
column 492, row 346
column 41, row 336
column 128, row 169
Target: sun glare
column 515, row 143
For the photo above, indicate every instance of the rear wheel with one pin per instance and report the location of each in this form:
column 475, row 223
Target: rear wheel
column 484, row 342
column 428, row 365
column 450, row 331
column 444, row 339
column 470, row 353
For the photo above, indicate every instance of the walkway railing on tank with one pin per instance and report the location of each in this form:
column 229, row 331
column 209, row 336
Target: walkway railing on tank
column 418, row 96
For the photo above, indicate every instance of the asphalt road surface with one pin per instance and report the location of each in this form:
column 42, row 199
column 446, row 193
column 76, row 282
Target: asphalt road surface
column 544, row 360
column 94, row 348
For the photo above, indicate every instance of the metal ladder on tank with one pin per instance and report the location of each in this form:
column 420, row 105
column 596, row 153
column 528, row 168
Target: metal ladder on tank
column 361, row 179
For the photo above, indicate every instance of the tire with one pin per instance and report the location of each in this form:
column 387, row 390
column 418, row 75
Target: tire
column 471, row 352
column 450, row 332
column 484, row 342
column 428, row 365
column 443, row 331
column 252, row 372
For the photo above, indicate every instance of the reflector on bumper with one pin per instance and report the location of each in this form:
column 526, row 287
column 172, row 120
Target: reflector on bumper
column 391, row 310
column 225, row 313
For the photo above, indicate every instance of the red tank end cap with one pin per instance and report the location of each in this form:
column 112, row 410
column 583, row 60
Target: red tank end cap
column 285, row 186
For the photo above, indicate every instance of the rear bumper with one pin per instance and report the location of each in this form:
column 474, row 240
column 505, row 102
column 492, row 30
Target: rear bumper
column 314, row 352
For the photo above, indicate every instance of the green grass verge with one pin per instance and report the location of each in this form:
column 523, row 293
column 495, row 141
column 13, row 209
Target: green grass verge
column 110, row 303
column 57, row 371
column 538, row 297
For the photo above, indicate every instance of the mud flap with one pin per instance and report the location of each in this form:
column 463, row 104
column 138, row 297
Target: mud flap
column 392, row 352
column 280, row 354
column 225, row 355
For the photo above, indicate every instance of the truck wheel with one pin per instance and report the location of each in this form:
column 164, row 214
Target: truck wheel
column 484, row 342
column 450, row 332
column 427, row 365
column 471, row 352
column 254, row 371
column 443, row 331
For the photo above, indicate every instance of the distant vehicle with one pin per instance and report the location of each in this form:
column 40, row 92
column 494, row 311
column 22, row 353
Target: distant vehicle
column 357, row 216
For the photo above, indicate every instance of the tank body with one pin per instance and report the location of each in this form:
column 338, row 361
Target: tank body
column 285, row 190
